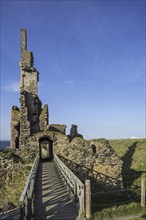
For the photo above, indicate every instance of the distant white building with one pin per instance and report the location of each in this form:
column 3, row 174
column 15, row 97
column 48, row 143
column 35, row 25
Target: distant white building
column 134, row 137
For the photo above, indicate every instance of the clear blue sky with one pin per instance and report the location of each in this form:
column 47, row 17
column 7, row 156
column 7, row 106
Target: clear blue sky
column 91, row 60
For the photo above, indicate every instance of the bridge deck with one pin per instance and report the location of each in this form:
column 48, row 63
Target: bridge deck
column 51, row 199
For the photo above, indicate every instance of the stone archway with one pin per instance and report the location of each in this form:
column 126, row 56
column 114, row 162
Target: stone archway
column 46, row 148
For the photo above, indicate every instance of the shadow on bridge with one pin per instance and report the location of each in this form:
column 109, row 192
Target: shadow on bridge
column 105, row 190
column 51, row 198
column 103, row 182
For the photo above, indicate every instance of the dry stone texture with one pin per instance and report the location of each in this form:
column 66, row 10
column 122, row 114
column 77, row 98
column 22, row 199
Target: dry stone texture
column 30, row 125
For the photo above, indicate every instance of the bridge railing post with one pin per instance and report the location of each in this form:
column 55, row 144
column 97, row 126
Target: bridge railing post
column 75, row 192
column 88, row 198
column 81, row 200
column 143, row 189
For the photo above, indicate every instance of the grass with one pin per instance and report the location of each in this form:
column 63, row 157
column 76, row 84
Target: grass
column 100, row 141
column 139, row 157
column 131, row 210
column 13, row 188
column 133, row 154
column 13, row 179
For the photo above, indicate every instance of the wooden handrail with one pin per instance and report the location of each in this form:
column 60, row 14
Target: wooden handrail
column 11, row 214
column 74, row 185
column 27, row 196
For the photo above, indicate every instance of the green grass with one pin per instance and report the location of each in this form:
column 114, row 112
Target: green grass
column 133, row 154
column 12, row 180
column 139, row 158
column 13, row 187
column 132, row 209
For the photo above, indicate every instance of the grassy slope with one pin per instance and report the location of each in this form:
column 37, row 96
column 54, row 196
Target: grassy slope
column 13, row 180
column 133, row 154
column 13, row 189
column 139, row 156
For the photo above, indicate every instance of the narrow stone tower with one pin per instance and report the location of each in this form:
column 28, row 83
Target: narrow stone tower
column 30, row 105
column 30, row 118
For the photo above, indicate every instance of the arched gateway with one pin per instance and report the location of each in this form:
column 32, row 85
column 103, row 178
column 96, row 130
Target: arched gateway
column 46, row 148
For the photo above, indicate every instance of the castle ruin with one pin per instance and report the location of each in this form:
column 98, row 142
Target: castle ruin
column 30, row 128
column 31, row 117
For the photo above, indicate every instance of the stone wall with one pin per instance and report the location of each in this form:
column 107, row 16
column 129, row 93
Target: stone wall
column 57, row 128
column 97, row 156
column 29, row 117
column 30, row 104
column 24, row 123
column 33, row 104
column 15, row 126
column 106, row 160
column 32, row 117
column 29, row 80
column 26, row 56
column 74, row 132
column 43, row 118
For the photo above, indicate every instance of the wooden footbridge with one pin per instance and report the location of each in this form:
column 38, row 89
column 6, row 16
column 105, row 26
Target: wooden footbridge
column 53, row 192
column 51, row 198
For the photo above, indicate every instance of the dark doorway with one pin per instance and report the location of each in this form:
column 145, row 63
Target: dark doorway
column 46, row 148
column 17, row 143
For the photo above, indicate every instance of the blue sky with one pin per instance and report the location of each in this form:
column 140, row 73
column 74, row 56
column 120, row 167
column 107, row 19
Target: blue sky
column 91, row 60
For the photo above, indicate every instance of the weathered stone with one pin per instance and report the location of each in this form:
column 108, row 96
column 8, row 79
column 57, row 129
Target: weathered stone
column 43, row 118
column 30, row 128
column 57, row 128
column 15, row 126
column 29, row 118
column 74, row 132
column 26, row 56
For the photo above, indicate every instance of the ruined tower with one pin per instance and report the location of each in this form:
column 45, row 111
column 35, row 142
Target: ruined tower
column 30, row 105
column 30, row 128
column 30, row 118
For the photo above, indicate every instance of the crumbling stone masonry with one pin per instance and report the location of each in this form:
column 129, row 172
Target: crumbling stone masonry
column 30, row 129
column 32, row 117
column 15, row 127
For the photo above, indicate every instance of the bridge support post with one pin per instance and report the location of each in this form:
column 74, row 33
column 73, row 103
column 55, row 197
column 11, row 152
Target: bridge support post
column 143, row 183
column 88, row 199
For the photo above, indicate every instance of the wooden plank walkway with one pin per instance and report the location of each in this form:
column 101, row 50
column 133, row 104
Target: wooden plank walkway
column 51, row 198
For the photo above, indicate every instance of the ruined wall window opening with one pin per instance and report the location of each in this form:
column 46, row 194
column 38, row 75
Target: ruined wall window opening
column 17, row 143
column 46, row 148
